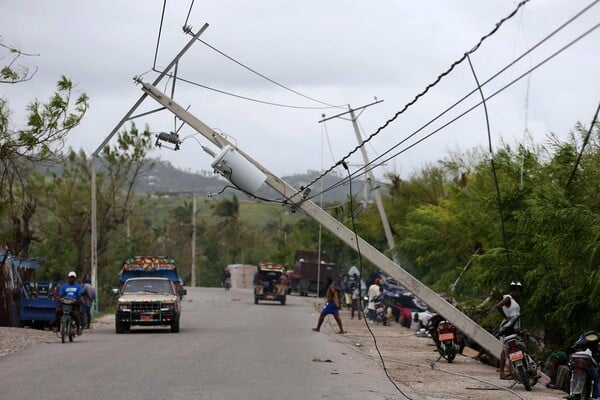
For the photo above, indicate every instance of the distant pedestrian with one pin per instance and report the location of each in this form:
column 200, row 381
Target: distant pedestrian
column 87, row 299
column 332, row 306
column 356, row 300
column 373, row 292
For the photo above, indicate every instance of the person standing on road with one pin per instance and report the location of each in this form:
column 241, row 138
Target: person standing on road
column 332, row 306
column 89, row 295
column 373, row 292
column 509, row 308
column 356, row 298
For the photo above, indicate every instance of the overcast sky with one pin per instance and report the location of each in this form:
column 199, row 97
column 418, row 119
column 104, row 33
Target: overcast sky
column 338, row 52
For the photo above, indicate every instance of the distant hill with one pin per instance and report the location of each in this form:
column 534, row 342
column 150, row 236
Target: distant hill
column 165, row 178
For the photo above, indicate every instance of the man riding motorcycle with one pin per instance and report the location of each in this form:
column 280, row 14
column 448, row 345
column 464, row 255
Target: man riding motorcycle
column 70, row 291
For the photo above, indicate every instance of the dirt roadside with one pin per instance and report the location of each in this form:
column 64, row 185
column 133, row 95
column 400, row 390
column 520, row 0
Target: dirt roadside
column 413, row 362
column 16, row 339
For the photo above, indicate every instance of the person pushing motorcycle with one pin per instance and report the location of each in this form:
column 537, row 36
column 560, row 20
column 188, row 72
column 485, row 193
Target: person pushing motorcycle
column 70, row 291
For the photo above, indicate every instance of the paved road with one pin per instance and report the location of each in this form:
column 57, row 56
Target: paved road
column 228, row 348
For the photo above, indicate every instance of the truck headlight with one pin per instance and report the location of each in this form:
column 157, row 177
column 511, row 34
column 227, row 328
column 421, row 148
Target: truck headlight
column 167, row 307
column 123, row 307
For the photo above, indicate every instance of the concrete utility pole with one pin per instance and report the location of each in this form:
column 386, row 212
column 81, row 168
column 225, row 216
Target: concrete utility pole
column 194, row 241
column 370, row 178
column 451, row 313
column 375, row 190
column 128, row 116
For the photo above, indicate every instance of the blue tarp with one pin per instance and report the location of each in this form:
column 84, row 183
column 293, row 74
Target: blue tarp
column 23, row 263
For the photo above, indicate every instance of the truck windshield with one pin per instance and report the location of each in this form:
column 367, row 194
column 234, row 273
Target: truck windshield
column 148, row 286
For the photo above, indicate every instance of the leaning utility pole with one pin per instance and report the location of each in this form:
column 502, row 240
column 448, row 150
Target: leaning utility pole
column 298, row 200
column 371, row 178
column 128, row 116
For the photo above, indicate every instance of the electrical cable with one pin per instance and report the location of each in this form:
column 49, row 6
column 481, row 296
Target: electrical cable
column 188, row 15
column 489, row 134
column 373, row 165
column 267, row 78
column 585, row 142
column 243, row 97
column 422, row 93
column 254, row 71
column 431, row 366
column 360, row 275
column 325, row 130
column 162, row 17
column 502, row 70
column 210, row 194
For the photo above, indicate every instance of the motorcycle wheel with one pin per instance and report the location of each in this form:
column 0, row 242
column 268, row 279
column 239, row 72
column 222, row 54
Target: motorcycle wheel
column 523, row 377
column 450, row 356
column 585, row 393
column 72, row 330
column 63, row 331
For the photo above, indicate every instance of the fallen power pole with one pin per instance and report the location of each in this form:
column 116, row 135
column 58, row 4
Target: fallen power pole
column 296, row 199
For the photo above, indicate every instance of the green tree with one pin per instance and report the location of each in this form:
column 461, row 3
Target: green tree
column 23, row 150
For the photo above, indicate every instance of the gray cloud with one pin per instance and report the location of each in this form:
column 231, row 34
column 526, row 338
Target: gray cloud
column 339, row 52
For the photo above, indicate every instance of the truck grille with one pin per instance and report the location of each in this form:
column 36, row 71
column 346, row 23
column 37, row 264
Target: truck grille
column 145, row 306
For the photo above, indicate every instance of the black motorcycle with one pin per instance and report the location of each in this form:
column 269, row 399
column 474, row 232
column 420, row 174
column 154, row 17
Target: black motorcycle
column 445, row 335
column 583, row 363
column 523, row 367
column 68, row 327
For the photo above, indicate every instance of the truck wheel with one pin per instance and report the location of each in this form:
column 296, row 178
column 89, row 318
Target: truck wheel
column 283, row 301
column 119, row 327
column 175, row 326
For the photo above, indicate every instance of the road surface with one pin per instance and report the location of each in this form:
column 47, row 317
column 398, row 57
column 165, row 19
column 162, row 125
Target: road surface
column 228, row 348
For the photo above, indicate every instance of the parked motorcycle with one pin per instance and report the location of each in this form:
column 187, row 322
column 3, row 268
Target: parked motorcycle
column 68, row 326
column 584, row 366
column 446, row 338
column 380, row 308
column 523, row 367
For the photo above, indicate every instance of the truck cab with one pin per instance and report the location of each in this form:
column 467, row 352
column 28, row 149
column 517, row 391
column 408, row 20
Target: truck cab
column 269, row 284
column 152, row 266
column 149, row 301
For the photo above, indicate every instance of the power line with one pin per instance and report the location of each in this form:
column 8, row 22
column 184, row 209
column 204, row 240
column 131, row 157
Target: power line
column 372, row 164
column 270, row 103
column 489, row 133
column 188, row 15
column 174, row 77
column 585, row 142
column 421, row 94
column 267, row 78
column 162, row 17
column 360, row 275
column 545, row 39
